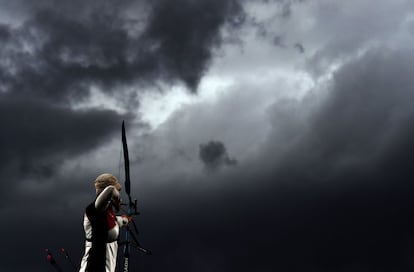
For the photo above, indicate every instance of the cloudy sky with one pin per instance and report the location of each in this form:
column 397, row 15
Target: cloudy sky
column 264, row 135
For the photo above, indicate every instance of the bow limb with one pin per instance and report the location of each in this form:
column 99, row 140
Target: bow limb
column 126, row 163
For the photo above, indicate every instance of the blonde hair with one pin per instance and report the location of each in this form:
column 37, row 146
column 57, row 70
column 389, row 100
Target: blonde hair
column 104, row 180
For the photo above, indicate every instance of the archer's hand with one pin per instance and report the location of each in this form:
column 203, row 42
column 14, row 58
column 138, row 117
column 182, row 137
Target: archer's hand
column 126, row 219
column 129, row 218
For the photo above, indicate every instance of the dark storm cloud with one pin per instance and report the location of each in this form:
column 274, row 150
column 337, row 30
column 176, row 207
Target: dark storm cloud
column 186, row 34
column 59, row 52
column 74, row 47
column 214, row 155
column 37, row 136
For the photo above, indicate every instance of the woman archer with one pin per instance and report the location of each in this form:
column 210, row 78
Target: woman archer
column 101, row 226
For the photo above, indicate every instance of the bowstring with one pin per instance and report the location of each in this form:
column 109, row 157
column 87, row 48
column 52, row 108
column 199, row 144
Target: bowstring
column 119, row 163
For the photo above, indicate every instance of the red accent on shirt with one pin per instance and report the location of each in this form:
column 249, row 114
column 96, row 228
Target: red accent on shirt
column 111, row 218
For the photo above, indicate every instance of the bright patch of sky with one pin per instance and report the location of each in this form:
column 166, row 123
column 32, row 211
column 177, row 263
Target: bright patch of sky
column 156, row 107
column 101, row 100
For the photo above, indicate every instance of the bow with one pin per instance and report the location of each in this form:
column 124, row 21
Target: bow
column 130, row 236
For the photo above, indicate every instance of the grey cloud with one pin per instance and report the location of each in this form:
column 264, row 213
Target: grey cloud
column 300, row 47
column 278, row 41
column 214, row 154
column 359, row 119
column 4, row 33
column 340, row 35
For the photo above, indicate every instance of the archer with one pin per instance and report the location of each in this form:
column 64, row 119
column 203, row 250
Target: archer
column 101, row 226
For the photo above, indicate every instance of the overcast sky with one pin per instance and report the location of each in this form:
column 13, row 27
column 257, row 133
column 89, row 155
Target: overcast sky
column 263, row 135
